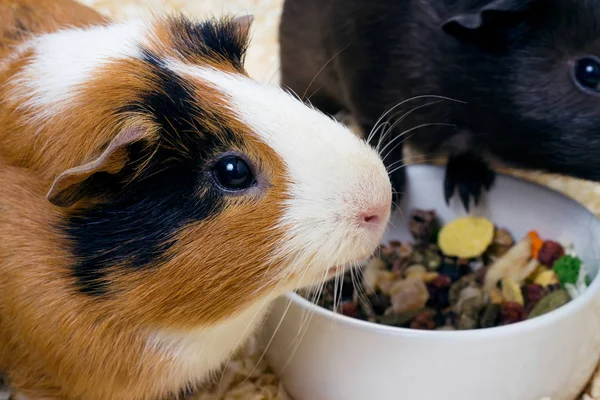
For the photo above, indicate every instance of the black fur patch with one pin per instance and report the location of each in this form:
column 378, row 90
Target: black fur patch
column 219, row 40
column 137, row 225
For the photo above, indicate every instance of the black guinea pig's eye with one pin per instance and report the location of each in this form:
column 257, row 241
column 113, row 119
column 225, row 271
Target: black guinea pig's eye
column 233, row 173
column 587, row 73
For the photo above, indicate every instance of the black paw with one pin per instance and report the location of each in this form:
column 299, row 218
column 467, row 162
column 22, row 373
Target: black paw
column 470, row 174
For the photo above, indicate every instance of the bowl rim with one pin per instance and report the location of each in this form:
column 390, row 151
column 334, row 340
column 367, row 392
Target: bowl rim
column 483, row 333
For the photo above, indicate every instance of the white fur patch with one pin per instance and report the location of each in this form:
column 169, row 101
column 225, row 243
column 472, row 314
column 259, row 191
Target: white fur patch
column 198, row 353
column 334, row 174
column 66, row 59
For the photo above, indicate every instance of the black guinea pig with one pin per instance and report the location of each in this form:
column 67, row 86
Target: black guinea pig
column 526, row 74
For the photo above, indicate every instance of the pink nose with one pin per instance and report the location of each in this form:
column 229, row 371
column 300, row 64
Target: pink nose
column 374, row 217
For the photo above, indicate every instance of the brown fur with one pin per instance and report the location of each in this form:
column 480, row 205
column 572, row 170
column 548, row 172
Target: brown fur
column 56, row 343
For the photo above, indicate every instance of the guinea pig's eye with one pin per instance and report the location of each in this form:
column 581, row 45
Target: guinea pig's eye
column 587, row 73
column 233, row 174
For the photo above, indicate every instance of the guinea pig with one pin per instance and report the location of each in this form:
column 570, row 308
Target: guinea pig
column 525, row 74
column 156, row 199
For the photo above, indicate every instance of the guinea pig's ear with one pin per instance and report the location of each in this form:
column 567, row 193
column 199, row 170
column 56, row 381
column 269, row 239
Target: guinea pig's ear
column 243, row 25
column 74, row 184
column 470, row 19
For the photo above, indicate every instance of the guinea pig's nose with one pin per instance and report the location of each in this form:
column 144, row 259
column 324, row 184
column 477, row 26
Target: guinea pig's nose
column 374, row 217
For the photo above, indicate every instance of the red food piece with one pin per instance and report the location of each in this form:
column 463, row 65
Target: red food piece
column 350, row 309
column 424, row 320
column 441, row 281
column 511, row 312
column 533, row 293
column 550, row 252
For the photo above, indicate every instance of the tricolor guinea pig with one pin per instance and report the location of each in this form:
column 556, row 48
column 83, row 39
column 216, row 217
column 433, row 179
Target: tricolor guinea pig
column 155, row 199
column 526, row 74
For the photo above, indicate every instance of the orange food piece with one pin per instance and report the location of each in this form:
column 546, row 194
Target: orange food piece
column 536, row 243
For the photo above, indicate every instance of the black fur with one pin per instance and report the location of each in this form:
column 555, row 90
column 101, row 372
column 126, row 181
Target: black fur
column 511, row 67
column 136, row 225
column 217, row 39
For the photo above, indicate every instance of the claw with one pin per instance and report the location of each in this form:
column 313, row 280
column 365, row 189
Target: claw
column 465, row 197
column 449, row 186
column 476, row 193
column 490, row 179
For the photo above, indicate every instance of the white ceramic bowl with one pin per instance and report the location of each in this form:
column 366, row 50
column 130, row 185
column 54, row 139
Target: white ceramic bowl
column 325, row 356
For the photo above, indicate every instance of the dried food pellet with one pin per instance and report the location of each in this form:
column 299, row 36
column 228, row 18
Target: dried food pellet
column 450, row 270
column 366, row 308
column 536, row 243
column 511, row 313
column 399, row 266
column 533, row 294
column 419, row 287
column 466, row 237
column 495, row 295
column 502, row 241
column 380, row 302
column 350, row 309
column 433, row 259
column 398, row 319
column 490, row 315
column 550, row 253
column 480, row 275
column 468, row 319
column 424, row 320
column 347, row 287
column 408, row 295
column 416, row 271
column 511, row 291
column 458, row 286
column 550, row 302
column 546, row 278
column 566, row 269
column 394, row 244
column 423, row 225
column 470, row 298
column 405, row 250
column 438, row 292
